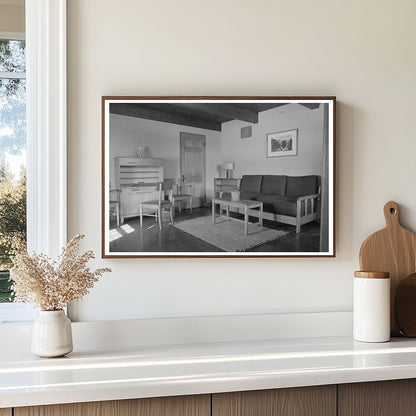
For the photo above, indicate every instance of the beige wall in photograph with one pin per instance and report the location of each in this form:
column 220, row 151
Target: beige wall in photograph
column 363, row 52
column 250, row 155
column 160, row 140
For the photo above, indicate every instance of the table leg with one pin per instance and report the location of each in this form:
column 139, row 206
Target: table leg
column 245, row 220
column 213, row 212
column 228, row 213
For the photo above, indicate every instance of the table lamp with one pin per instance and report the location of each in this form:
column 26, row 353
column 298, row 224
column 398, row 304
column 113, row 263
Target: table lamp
column 229, row 170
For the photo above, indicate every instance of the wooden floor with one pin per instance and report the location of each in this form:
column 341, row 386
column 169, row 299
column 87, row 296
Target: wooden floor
column 131, row 238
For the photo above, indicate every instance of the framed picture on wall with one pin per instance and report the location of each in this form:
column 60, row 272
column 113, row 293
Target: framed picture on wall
column 178, row 181
column 284, row 143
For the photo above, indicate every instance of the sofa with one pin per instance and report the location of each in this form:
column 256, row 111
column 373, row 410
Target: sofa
column 288, row 199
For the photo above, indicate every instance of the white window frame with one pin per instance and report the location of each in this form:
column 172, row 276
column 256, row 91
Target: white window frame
column 46, row 125
column 46, row 134
column 12, row 35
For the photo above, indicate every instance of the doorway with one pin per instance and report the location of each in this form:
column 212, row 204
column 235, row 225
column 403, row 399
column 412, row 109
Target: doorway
column 193, row 162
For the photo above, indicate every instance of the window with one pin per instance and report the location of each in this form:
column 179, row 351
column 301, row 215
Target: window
column 12, row 155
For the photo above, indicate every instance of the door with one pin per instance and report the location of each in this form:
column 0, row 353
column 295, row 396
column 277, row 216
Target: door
column 193, row 164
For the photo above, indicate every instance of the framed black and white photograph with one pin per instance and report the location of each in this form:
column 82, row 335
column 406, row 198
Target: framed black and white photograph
column 178, row 181
column 284, row 143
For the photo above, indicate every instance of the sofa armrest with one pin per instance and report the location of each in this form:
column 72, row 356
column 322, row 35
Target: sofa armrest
column 309, row 203
column 306, row 197
column 309, row 213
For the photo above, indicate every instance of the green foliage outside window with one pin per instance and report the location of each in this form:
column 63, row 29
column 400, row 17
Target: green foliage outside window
column 12, row 224
column 12, row 148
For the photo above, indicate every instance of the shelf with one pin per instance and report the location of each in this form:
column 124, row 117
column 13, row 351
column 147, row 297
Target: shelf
column 149, row 371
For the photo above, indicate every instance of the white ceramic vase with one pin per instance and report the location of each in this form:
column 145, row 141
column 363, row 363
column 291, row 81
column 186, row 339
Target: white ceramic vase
column 52, row 334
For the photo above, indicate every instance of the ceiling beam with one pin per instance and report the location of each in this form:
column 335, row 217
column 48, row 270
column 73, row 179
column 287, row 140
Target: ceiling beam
column 311, row 106
column 135, row 110
column 231, row 111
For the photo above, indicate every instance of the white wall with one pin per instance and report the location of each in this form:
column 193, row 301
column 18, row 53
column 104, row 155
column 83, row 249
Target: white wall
column 280, row 47
column 160, row 140
column 12, row 17
column 250, row 155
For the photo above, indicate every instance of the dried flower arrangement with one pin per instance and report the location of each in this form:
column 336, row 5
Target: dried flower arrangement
column 52, row 285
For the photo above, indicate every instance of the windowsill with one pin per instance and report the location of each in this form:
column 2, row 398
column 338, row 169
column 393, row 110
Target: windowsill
column 151, row 371
column 16, row 313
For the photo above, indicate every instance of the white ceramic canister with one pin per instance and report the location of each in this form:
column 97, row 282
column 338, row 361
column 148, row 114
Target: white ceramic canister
column 371, row 309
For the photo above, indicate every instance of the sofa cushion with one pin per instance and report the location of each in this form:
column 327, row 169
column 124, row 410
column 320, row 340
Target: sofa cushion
column 248, row 195
column 251, row 183
column 273, row 185
column 275, row 204
column 302, row 185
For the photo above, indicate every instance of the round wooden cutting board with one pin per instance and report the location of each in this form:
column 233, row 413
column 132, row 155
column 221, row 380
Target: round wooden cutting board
column 392, row 250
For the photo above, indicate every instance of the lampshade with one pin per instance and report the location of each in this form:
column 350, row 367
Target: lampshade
column 229, row 166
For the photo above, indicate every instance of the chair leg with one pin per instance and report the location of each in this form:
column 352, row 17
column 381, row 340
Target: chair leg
column 171, row 215
column 180, row 206
column 190, row 202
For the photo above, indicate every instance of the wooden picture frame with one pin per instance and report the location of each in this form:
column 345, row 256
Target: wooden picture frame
column 181, row 160
column 284, row 143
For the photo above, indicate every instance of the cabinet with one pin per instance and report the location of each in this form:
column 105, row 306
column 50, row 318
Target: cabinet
column 225, row 185
column 160, row 406
column 137, row 180
column 299, row 401
column 380, row 398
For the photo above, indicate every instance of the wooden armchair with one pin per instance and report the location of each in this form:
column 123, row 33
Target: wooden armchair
column 184, row 193
column 154, row 208
column 115, row 204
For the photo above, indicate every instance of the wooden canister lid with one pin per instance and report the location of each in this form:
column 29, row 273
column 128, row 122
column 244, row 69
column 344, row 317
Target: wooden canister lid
column 372, row 275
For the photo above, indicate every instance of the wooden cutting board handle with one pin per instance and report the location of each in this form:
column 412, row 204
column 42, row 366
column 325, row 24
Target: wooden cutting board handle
column 393, row 250
column 391, row 214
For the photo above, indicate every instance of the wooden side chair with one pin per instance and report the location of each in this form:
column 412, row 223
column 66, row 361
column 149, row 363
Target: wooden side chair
column 184, row 192
column 156, row 207
column 115, row 204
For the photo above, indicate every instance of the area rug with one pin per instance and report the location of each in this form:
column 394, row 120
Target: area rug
column 228, row 235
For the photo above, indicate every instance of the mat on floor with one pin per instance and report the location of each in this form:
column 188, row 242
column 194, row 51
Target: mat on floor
column 228, row 235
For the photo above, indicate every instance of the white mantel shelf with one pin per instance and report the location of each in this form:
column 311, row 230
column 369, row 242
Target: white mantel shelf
column 148, row 371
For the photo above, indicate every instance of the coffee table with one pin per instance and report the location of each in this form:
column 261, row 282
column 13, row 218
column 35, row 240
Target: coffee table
column 244, row 204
